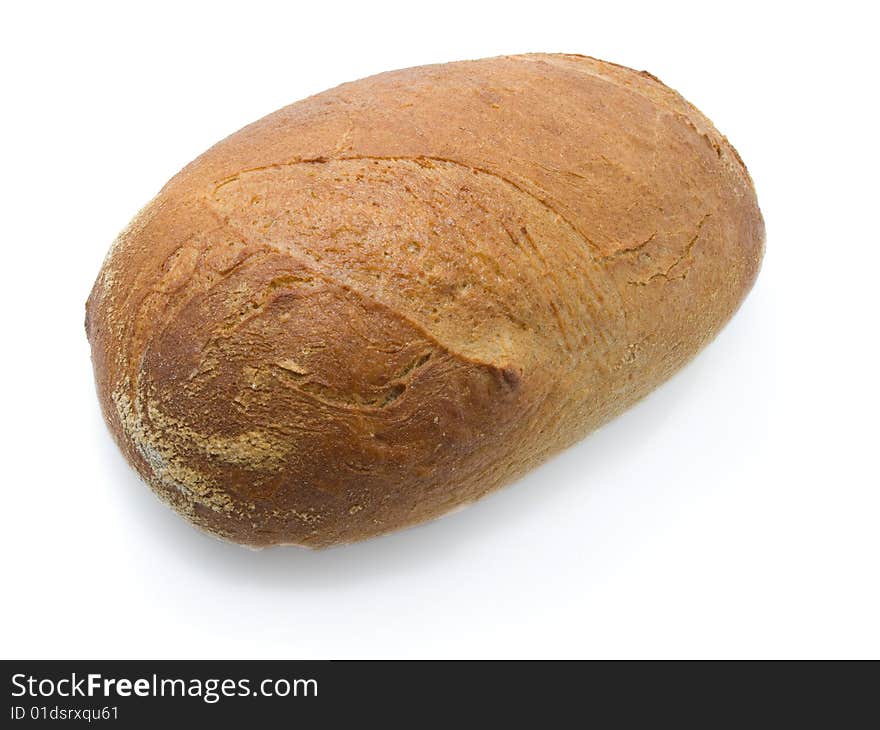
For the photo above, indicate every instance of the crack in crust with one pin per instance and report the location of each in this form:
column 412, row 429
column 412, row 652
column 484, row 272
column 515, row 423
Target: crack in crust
column 423, row 160
column 686, row 255
column 582, row 297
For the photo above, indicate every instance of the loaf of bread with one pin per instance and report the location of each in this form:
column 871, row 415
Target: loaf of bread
column 386, row 300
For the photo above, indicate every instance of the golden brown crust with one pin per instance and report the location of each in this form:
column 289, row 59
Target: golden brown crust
column 388, row 299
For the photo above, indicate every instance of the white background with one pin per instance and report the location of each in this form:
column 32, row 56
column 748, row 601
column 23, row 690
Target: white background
column 734, row 513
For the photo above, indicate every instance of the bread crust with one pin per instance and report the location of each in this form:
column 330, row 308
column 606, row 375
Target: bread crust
column 388, row 299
